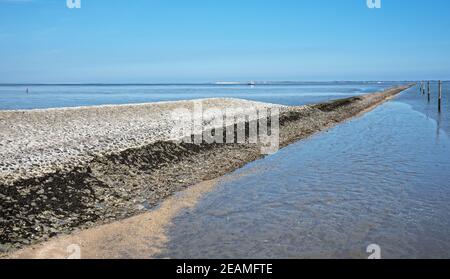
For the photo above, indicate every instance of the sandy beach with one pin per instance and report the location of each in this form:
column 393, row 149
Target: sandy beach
column 67, row 170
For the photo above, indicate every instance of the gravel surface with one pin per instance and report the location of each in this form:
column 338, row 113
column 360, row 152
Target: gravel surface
column 36, row 142
column 69, row 169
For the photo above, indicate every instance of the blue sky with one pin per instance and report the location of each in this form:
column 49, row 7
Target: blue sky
column 42, row 41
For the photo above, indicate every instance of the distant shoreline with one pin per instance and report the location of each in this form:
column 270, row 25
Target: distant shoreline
column 217, row 83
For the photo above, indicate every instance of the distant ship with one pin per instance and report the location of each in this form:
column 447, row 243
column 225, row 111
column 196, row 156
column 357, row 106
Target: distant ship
column 251, row 83
column 228, row 82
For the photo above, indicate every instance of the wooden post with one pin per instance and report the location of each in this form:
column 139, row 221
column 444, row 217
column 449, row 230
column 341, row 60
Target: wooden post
column 440, row 96
column 428, row 92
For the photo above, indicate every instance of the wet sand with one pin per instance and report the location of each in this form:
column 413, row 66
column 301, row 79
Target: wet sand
column 110, row 188
column 142, row 236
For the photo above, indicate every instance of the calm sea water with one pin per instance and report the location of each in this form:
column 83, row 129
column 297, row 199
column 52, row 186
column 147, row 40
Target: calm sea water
column 383, row 178
column 45, row 96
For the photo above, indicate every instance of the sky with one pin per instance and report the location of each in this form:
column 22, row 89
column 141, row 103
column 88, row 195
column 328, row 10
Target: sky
column 153, row 41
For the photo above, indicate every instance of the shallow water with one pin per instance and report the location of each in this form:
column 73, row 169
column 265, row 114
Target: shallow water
column 383, row 178
column 52, row 96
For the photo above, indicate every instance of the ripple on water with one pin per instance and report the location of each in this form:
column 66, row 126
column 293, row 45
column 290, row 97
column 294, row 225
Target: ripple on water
column 383, row 178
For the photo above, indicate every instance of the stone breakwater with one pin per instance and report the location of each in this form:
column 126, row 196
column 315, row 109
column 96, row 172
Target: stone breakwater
column 36, row 142
column 67, row 169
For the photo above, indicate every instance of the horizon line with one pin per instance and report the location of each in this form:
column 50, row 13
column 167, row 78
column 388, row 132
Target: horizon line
column 213, row 83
